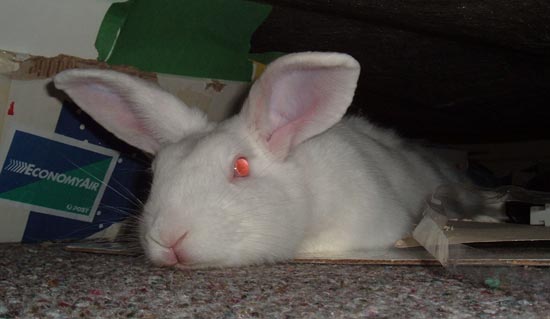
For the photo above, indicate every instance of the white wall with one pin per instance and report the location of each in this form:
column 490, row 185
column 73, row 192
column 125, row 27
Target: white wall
column 50, row 27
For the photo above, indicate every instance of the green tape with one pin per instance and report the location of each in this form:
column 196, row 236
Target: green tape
column 208, row 39
column 109, row 29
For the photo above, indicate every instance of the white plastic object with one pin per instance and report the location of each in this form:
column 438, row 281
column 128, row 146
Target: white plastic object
column 540, row 215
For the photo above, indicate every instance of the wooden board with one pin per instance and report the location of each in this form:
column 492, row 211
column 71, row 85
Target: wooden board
column 107, row 248
column 461, row 255
column 529, row 251
column 462, row 232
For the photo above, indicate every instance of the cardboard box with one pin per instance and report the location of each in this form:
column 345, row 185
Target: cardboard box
column 63, row 176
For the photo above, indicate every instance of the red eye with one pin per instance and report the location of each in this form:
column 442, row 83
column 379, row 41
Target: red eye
column 241, row 168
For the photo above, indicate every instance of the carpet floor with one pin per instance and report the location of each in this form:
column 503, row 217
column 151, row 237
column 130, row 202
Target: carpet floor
column 44, row 281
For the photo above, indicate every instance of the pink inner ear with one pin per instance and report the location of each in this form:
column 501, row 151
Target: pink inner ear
column 114, row 113
column 295, row 106
column 109, row 105
column 300, row 96
column 289, row 130
column 292, row 100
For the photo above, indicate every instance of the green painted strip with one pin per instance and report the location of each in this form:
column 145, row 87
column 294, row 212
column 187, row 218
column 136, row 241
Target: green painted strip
column 76, row 196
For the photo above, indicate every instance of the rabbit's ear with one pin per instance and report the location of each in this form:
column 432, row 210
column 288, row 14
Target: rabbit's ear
column 136, row 111
column 299, row 96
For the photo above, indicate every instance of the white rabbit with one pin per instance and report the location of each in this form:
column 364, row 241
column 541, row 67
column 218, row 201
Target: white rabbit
column 286, row 175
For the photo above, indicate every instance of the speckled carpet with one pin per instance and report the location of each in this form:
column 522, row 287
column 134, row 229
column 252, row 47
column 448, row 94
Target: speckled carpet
column 44, row 281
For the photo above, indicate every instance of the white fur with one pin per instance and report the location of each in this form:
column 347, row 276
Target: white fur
column 316, row 184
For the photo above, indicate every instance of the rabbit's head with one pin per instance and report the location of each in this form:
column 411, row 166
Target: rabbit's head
column 231, row 193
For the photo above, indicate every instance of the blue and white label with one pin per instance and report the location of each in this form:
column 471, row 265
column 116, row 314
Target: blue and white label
column 54, row 174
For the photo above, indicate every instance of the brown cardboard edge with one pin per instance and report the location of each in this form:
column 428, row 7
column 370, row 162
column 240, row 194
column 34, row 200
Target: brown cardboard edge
column 40, row 67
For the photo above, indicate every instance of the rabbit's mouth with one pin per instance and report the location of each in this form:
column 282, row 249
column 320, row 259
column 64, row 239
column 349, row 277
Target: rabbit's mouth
column 166, row 255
